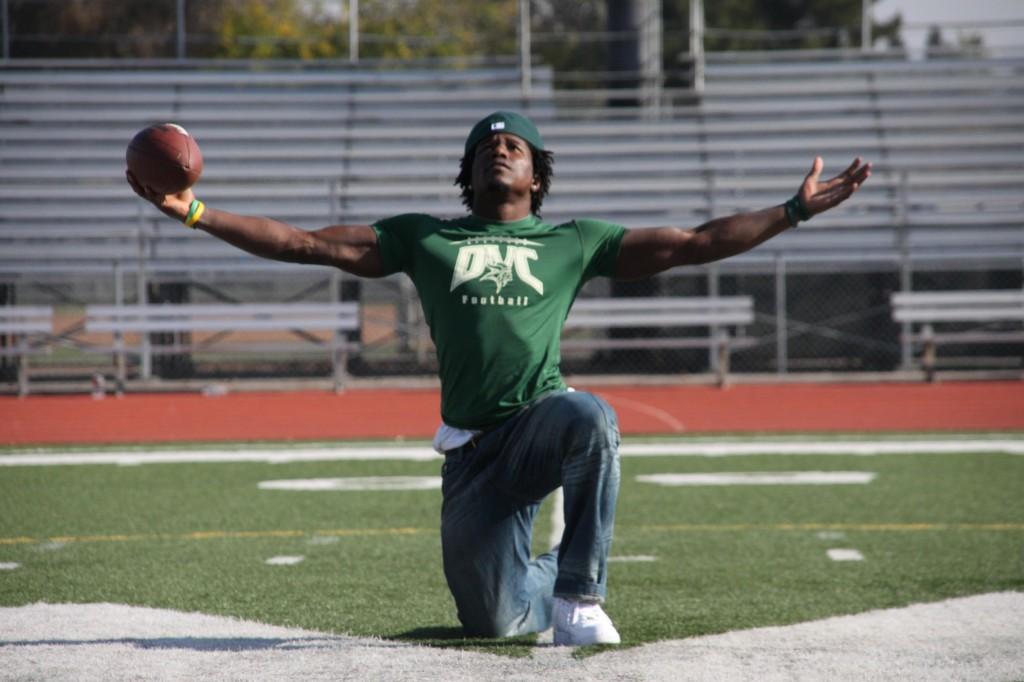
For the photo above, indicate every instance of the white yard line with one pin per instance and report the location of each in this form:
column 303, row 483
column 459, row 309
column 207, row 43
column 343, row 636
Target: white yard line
column 844, row 555
column 761, row 478
column 953, row 445
column 355, row 483
column 265, row 456
column 824, row 447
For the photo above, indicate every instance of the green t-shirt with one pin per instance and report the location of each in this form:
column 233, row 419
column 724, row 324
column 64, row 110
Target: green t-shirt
column 495, row 296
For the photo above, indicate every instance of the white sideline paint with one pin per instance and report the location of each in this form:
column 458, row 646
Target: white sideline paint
column 356, row 483
column 285, row 560
column 557, row 518
column 635, row 558
column 845, row 555
column 825, row 447
column 9, row 565
column 762, row 478
column 265, row 456
column 324, row 540
column 972, row 638
column 830, row 535
column 715, row 448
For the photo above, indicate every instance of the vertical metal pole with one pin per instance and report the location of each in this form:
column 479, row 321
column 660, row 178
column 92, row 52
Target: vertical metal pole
column 906, row 284
column 697, row 43
column 119, row 341
column 5, row 17
column 21, row 341
column 141, row 298
column 865, row 25
column 781, row 338
column 713, row 292
column 353, row 31
column 525, row 49
column 906, row 274
column 650, row 29
column 332, row 201
column 338, row 338
column 181, row 30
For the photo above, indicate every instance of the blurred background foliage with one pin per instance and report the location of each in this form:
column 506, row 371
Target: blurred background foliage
column 567, row 35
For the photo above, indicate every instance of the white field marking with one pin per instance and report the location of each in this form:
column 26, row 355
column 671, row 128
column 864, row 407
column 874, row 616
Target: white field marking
column 557, row 518
column 324, row 540
column 547, row 638
column 824, row 447
column 634, row 558
column 356, row 483
column 714, row 448
column 762, row 478
column 8, row 565
column 651, row 411
column 264, row 456
column 284, row 560
column 830, row 535
column 845, row 555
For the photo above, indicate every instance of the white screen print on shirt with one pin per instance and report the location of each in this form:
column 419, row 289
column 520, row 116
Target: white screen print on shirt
column 481, row 258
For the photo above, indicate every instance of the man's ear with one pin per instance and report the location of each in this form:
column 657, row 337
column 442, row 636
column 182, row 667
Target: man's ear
column 535, row 187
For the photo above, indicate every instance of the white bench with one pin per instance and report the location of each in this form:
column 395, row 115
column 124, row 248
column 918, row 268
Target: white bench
column 717, row 313
column 221, row 319
column 22, row 325
column 922, row 311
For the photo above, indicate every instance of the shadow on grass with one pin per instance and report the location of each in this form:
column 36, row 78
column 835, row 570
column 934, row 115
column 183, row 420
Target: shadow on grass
column 446, row 637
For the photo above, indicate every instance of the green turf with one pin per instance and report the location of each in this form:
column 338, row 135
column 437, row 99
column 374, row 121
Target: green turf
column 194, row 537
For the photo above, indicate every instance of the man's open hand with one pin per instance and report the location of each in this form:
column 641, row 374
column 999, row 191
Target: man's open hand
column 818, row 196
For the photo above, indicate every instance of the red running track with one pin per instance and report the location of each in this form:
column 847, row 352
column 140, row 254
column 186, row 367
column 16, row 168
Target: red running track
column 364, row 413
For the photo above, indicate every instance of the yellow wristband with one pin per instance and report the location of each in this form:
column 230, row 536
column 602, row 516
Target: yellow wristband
column 195, row 212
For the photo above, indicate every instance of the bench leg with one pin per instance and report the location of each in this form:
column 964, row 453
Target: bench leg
column 928, row 361
column 929, row 354
column 339, row 360
column 23, row 373
column 121, row 363
column 723, row 360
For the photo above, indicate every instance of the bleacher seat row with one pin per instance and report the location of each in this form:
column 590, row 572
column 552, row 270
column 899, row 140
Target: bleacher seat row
column 946, row 138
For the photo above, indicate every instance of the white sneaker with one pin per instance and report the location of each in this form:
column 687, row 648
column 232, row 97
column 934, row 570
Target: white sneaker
column 580, row 623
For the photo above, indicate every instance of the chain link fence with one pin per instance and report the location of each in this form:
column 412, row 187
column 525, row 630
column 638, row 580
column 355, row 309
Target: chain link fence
column 836, row 323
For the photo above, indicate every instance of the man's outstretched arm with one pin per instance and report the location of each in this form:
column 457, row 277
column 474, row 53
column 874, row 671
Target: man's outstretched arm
column 646, row 252
column 352, row 248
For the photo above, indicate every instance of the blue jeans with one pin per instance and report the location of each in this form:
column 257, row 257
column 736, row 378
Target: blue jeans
column 491, row 496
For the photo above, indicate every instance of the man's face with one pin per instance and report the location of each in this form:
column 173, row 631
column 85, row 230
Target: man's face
column 503, row 162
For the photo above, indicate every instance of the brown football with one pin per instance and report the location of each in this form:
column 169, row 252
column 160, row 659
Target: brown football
column 165, row 158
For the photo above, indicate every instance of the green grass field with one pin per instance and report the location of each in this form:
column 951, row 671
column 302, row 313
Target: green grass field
column 196, row 537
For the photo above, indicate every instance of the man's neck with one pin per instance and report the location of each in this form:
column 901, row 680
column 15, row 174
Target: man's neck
column 503, row 211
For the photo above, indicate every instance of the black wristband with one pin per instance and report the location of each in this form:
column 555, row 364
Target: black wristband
column 796, row 210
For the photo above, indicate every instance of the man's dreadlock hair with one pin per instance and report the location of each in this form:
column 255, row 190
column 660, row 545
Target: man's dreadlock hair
column 543, row 170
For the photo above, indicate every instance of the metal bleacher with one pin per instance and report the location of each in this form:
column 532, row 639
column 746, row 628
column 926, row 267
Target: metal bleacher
column 315, row 147
column 278, row 143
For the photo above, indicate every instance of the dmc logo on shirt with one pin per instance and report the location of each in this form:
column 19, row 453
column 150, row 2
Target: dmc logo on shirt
column 481, row 258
